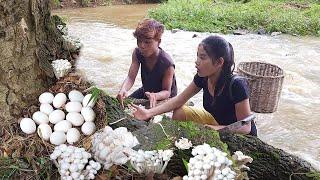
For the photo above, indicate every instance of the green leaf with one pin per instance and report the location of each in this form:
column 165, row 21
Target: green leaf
column 185, row 163
column 95, row 94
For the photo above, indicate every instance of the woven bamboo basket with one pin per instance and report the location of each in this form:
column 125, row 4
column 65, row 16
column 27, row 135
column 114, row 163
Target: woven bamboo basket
column 265, row 82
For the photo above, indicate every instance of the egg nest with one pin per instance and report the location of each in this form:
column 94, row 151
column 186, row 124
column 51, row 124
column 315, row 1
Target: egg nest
column 27, row 156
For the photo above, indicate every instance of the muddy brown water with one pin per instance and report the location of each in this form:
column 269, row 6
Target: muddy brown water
column 106, row 33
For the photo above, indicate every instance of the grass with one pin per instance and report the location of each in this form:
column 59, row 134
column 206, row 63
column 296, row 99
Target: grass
column 298, row 17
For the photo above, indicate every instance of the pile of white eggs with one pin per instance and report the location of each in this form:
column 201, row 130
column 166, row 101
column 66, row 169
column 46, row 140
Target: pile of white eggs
column 145, row 162
column 209, row 163
column 79, row 114
column 113, row 146
column 61, row 67
column 73, row 163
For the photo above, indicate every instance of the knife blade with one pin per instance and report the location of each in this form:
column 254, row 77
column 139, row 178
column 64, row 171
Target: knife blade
column 234, row 126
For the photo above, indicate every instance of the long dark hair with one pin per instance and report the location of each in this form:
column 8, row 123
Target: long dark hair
column 216, row 47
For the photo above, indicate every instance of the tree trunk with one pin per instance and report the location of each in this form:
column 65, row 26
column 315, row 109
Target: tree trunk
column 29, row 41
column 268, row 162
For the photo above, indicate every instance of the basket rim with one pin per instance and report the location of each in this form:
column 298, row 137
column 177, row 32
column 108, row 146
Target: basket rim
column 260, row 76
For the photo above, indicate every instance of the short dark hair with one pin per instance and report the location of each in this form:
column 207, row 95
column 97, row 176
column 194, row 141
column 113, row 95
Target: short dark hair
column 149, row 26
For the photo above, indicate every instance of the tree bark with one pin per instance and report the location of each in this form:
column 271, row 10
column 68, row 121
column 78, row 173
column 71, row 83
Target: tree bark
column 268, row 162
column 29, row 41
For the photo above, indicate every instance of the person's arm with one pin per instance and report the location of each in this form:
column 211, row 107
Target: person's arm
column 166, row 88
column 171, row 104
column 242, row 111
column 129, row 81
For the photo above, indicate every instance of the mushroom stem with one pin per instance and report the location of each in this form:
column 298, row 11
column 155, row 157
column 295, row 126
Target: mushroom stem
column 164, row 167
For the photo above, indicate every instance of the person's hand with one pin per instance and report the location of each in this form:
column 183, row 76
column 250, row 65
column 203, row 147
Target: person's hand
column 121, row 96
column 141, row 113
column 152, row 99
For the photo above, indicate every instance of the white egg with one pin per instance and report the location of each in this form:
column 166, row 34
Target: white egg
column 58, row 138
column 56, row 116
column 86, row 99
column 88, row 114
column 88, row 128
column 46, row 98
column 59, row 100
column 28, row 126
column 40, row 118
column 44, row 131
column 63, row 126
column 75, row 95
column 76, row 119
column 46, row 108
column 73, row 107
column 73, row 135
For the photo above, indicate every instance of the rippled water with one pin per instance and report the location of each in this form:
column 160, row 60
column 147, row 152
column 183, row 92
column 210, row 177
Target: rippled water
column 106, row 33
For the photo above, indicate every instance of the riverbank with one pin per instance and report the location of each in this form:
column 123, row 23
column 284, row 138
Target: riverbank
column 225, row 16
column 299, row 18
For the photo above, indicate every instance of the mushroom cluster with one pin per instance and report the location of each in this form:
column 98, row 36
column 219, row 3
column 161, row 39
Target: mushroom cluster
column 70, row 43
column 113, row 146
column 63, row 116
column 209, row 163
column 61, row 67
column 62, row 29
column 241, row 159
column 146, row 162
column 183, row 143
column 73, row 163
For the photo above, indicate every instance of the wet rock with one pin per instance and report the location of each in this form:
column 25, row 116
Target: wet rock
column 276, row 33
column 240, row 32
column 175, row 30
column 195, row 35
column 262, row 31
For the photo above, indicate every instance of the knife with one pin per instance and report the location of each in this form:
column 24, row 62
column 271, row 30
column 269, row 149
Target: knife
column 234, row 126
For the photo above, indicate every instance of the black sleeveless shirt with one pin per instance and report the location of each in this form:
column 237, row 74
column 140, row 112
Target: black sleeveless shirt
column 152, row 80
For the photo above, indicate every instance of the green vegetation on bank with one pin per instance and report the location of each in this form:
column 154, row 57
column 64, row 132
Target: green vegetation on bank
column 299, row 17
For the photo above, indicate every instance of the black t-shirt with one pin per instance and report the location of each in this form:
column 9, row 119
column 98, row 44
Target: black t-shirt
column 152, row 80
column 222, row 107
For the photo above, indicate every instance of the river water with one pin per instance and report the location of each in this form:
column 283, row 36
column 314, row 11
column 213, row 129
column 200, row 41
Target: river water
column 106, row 33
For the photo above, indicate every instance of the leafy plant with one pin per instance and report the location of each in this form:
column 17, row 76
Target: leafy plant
column 95, row 94
column 228, row 15
column 185, row 163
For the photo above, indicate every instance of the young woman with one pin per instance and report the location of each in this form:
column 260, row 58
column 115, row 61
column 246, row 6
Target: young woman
column 215, row 65
column 157, row 68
